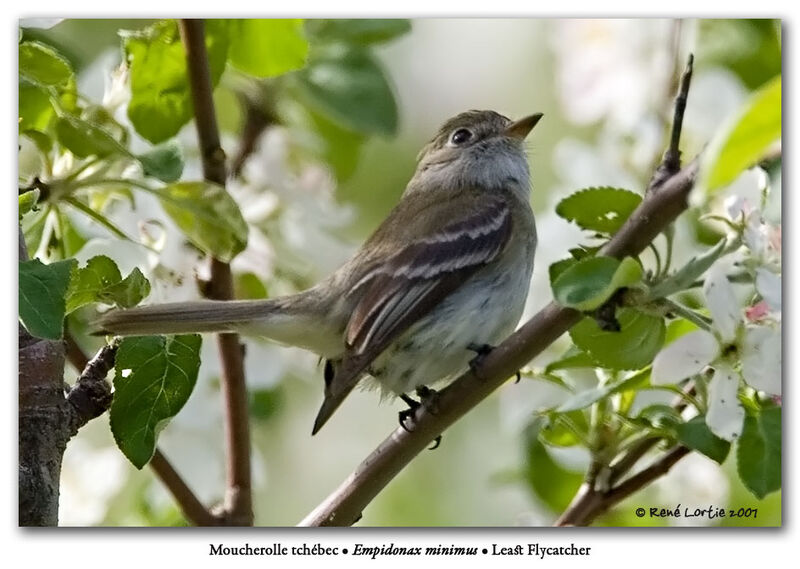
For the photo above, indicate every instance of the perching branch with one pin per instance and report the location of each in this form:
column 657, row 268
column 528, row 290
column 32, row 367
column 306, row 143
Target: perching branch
column 238, row 505
column 665, row 199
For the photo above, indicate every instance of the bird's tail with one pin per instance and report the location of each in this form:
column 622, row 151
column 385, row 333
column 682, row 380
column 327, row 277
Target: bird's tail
column 295, row 320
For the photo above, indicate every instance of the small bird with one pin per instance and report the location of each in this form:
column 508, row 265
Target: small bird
column 446, row 274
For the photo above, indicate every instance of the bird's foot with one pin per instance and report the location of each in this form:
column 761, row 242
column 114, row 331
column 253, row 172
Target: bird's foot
column 428, row 398
column 481, row 351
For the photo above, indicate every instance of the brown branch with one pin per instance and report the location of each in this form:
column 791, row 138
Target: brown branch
column 238, row 507
column 193, row 510
column 90, row 396
column 589, row 503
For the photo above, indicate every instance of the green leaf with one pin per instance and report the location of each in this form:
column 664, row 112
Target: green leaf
column 572, row 358
column 247, row 286
column 41, row 64
column 640, row 338
column 84, row 139
column 348, row 86
column 599, row 209
column 678, row 328
column 659, row 416
column 744, row 141
column 160, row 98
column 690, row 272
column 101, row 281
column 590, row 282
column 758, row 456
column 266, row 48
column 564, row 429
column 555, row 269
column 340, row 148
column 28, row 201
column 360, row 31
column 164, row 161
column 35, row 109
column 208, row 216
column 696, row 435
column 587, row 397
column 551, row 483
column 42, row 292
column 155, row 376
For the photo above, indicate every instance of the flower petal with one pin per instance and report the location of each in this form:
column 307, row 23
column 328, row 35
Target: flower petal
column 722, row 302
column 685, row 357
column 762, row 358
column 768, row 285
column 725, row 414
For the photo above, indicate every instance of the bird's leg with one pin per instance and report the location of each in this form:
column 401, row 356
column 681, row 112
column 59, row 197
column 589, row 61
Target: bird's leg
column 427, row 398
column 481, row 351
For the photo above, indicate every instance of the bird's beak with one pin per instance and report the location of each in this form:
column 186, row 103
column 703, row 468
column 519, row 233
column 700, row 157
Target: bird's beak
column 520, row 129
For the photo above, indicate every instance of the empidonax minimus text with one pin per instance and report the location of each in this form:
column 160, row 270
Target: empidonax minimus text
column 448, row 270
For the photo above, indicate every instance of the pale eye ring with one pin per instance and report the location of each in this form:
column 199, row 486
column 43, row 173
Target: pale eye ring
column 460, row 136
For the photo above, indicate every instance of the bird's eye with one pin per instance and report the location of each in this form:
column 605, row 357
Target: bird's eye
column 460, row 136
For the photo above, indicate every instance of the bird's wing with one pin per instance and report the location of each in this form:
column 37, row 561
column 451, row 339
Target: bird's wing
column 410, row 280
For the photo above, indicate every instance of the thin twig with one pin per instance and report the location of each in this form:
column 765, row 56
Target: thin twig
column 589, row 503
column 671, row 162
column 193, row 510
column 238, row 496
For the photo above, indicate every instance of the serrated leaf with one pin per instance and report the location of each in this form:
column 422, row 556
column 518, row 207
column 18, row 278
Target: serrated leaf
column 590, row 282
column 555, row 269
column 550, row 482
column 349, row 87
column 160, row 98
column 208, row 216
column 101, row 281
column 266, row 48
column 164, row 161
column 601, row 209
column 690, row 272
column 41, row 64
column 758, row 453
column 743, row 142
column 363, row 31
column 635, row 345
column 696, row 435
column 42, row 292
column 84, row 139
column 155, row 376
column 35, row 109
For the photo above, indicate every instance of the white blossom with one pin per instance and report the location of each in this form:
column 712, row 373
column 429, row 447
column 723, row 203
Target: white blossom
column 722, row 302
column 768, row 285
column 725, row 413
column 685, row 357
column 762, row 359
